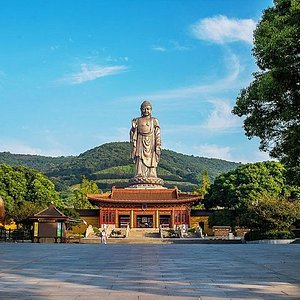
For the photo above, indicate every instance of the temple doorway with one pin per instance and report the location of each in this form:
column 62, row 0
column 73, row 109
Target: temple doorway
column 144, row 221
column 165, row 220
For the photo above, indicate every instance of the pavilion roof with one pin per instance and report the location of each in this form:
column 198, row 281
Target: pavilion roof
column 51, row 212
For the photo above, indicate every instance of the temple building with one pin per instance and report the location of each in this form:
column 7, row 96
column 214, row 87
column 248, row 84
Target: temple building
column 144, row 208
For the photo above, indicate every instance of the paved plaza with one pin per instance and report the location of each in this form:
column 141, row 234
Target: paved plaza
column 140, row 272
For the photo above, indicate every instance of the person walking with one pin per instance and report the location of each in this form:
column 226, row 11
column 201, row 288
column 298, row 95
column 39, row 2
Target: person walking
column 103, row 237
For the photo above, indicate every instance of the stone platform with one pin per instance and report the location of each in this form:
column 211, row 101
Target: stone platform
column 164, row 241
column 149, row 272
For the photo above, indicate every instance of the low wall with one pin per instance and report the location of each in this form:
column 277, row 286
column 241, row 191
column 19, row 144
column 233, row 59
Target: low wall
column 221, row 231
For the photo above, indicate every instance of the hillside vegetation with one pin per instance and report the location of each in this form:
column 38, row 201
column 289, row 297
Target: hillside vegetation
column 110, row 164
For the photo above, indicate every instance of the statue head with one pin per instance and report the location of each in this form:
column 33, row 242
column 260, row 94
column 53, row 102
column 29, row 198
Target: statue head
column 146, row 108
column 146, row 103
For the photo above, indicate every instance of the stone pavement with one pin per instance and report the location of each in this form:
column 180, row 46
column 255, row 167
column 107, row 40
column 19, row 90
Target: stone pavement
column 149, row 272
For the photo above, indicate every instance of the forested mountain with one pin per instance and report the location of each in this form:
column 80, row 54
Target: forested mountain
column 110, row 164
column 41, row 163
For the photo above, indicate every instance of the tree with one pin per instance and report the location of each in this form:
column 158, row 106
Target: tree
column 256, row 196
column 270, row 213
column 247, row 183
column 271, row 103
column 25, row 191
column 23, row 210
column 12, row 186
column 224, row 217
column 78, row 199
column 205, row 184
column 202, row 189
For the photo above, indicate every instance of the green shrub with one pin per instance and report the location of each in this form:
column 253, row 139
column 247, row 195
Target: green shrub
column 281, row 234
column 96, row 230
column 268, row 235
column 224, row 217
column 172, row 233
column 296, row 232
column 116, row 232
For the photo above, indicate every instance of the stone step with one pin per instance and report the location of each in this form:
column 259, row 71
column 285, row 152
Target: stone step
column 143, row 233
column 135, row 241
column 88, row 240
column 160, row 241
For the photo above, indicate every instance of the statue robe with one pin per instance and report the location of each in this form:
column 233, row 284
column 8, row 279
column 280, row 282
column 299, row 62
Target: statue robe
column 145, row 138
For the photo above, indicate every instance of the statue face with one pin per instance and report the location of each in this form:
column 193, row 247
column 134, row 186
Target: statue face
column 146, row 110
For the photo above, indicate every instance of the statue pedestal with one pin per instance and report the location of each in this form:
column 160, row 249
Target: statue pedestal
column 140, row 182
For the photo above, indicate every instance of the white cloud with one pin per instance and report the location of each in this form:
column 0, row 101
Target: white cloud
column 54, row 47
column 227, row 152
column 115, row 135
column 221, row 118
column 249, row 156
column 232, row 62
column 117, row 59
column 48, row 143
column 159, row 49
column 258, row 156
column 230, row 154
column 220, row 29
column 214, row 151
column 92, row 72
column 171, row 46
column 19, row 148
column 178, row 47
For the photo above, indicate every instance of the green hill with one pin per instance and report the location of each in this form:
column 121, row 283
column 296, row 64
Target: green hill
column 110, row 164
column 41, row 163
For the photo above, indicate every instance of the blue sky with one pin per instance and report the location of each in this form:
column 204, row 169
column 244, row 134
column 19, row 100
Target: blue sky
column 74, row 73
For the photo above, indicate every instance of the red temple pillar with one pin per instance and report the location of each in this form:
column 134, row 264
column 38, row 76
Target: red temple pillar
column 100, row 217
column 172, row 218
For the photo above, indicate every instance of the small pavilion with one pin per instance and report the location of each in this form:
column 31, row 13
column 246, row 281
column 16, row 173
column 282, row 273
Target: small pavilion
column 49, row 225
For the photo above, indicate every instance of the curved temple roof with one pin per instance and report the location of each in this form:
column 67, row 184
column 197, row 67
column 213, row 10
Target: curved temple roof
column 134, row 195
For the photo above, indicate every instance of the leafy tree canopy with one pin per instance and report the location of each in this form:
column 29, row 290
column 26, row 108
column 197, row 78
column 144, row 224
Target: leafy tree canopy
column 224, row 217
column 78, row 198
column 247, row 183
column 203, row 188
column 271, row 103
column 25, row 191
column 270, row 213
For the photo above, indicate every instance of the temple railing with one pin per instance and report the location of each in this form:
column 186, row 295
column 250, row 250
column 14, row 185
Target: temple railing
column 17, row 235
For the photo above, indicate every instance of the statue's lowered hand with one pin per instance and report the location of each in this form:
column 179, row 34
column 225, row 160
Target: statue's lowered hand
column 158, row 151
